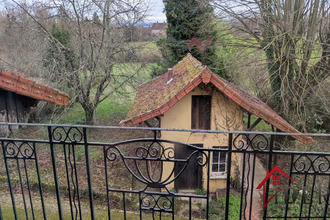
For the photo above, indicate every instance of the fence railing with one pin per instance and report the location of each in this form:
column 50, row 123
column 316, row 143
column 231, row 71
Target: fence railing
column 123, row 173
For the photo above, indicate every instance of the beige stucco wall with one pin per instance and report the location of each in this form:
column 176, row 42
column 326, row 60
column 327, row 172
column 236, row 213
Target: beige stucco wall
column 225, row 116
column 158, row 33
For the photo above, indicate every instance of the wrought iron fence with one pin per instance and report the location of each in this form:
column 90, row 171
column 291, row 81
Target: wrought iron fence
column 99, row 172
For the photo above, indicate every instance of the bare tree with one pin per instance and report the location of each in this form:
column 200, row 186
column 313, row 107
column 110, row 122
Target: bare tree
column 295, row 36
column 22, row 41
column 96, row 69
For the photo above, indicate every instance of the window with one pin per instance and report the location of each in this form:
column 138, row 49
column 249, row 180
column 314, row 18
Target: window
column 219, row 161
column 201, row 112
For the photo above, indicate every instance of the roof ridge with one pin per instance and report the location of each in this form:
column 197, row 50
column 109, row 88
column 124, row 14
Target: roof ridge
column 198, row 65
column 191, row 58
column 206, row 75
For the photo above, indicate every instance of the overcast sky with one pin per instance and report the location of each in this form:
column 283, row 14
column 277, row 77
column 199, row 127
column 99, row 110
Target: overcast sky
column 156, row 12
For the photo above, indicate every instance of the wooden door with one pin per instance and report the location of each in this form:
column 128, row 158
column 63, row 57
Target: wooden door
column 191, row 177
column 201, row 112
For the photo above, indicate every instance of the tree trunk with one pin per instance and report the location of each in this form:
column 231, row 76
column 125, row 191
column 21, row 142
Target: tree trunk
column 89, row 113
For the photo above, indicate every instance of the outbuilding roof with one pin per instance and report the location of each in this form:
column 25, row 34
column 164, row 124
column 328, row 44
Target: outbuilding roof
column 158, row 26
column 157, row 96
column 16, row 83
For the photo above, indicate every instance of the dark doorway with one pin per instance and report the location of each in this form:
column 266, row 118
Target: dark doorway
column 191, row 177
column 201, row 112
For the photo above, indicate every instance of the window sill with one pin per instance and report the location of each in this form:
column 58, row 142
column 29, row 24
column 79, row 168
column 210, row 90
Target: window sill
column 218, row 177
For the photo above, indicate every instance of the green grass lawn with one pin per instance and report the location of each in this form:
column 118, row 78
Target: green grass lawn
column 148, row 47
column 100, row 211
column 109, row 112
column 113, row 109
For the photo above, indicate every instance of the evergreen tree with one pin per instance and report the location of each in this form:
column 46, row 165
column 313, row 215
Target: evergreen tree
column 60, row 57
column 96, row 19
column 186, row 20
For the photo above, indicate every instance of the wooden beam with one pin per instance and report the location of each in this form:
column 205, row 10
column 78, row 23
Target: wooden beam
column 148, row 124
column 158, row 119
column 249, row 120
column 254, row 124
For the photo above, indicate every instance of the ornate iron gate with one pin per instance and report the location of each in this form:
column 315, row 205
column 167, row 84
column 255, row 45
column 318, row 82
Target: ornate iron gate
column 149, row 165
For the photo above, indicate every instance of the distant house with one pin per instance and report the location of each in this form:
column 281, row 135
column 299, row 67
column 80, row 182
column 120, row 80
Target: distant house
column 18, row 95
column 252, row 26
column 191, row 96
column 158, row 30
column 256, row 29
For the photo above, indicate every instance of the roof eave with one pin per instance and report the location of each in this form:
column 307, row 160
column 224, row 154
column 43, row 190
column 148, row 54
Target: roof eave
column 232, row 94
column 22, row 86
column 165, row 107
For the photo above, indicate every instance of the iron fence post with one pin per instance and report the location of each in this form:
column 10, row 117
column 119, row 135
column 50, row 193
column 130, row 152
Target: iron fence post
column 287, row 205
column 9, row 180
column 270, row 161
column 0, row 213
column 57, row 187
column 91, row 202
column 40, row 183
column 327, row 201
column 230, row 145
column 208, row 185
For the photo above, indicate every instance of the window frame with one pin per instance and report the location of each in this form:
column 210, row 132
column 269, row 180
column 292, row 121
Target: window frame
column 219, row 163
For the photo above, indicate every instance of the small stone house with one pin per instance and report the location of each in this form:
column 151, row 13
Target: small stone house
column 158, row 30
column 19, row 94
column 191, row 96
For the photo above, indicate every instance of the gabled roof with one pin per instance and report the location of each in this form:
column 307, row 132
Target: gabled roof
column 15, row 83
column 157, row 96
column 158, row 26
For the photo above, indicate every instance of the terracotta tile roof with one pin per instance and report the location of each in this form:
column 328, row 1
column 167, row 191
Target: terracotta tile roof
column 158, row 26
column 15, row 83
column 160, row 94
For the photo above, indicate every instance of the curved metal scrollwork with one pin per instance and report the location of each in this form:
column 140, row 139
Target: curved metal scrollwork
column 307, row 163
column 202, row 159
column 157, row 202
column 155, row 150
column 258, row 142
column 22, row 150
column 155, row 154
column 73, row 134
column 241, row 141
